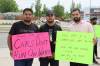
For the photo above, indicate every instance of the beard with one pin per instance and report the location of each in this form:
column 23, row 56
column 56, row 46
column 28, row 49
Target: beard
column 94, row 23
column 50, row 21
column 27, row 21
column 77, row 19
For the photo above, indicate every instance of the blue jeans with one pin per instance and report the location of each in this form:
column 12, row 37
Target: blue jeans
column 23, row 62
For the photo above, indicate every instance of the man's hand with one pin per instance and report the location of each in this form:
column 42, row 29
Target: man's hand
column 94, row 41
column 55, row 42
column 53, row 56
column 11, row 53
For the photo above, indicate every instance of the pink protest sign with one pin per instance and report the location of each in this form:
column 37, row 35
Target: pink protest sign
column 32, row 45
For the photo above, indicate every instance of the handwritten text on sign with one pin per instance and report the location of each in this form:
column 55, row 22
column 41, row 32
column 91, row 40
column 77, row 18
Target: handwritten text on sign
column 32, row 45
column 74, row 47
column 97, row 30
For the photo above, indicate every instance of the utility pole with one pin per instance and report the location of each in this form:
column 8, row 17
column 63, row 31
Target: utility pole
column 90, row 8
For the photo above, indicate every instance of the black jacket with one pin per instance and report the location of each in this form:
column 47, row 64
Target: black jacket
column 53, row 30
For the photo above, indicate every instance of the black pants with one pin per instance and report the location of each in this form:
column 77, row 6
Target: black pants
column 77, row 64
column 94, row 52
column 23, row 62
column 95, row 49
column 46, row 61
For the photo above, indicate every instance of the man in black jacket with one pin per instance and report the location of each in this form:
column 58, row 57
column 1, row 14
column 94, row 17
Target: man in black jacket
column 21, row 27
column 51, row 27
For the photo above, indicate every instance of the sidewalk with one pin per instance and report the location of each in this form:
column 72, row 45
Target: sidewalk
column 6, row 60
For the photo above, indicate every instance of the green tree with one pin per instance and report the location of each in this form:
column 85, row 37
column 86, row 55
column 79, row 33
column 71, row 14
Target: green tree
column 32, row 5
column 8, row 6
column 72, row 5
column 67, row 15
column 78, row 6
column 38, row 5
column 58, row 10
column 45, row 9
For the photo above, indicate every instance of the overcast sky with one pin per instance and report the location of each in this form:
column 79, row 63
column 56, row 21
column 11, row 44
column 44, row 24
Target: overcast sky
column 66, row 3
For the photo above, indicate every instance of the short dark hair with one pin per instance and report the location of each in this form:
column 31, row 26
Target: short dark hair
column 49, row 12
column 28, row 9
column 75, row 9
column 94, row 18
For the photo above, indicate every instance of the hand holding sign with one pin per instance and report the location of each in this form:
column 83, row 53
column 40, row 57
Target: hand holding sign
column 32, row 45
column 97, row 30
column 74, row 47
